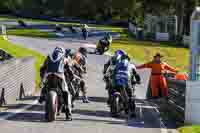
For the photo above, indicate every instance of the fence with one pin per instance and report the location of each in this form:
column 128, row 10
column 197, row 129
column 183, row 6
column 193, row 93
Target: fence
column 17, row 79
column 192, row 115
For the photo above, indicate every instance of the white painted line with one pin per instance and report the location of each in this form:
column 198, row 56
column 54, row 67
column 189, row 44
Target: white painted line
column 15, row 112
column 164, row 130
column 146, row 107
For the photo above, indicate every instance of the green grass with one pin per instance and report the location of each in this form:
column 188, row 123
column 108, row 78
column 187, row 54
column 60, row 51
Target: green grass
column 18, row 51
column 31, row 33
column 143, row 51
column 101, row 27
column 190, row 129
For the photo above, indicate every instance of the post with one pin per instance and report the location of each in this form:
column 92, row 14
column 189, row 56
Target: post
column 4, row 32
column 21, row 92
column 176, row 25
column 195, row 45
column 2, row 98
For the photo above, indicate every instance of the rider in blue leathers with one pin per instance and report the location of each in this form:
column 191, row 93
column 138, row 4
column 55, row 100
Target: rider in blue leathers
column 118, row 72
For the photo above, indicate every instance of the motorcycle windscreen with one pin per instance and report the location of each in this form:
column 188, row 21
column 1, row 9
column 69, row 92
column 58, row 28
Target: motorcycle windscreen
column 142, row 89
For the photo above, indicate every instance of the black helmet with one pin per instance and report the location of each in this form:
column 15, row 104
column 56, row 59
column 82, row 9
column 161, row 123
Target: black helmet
column 83, row 51
column 124, row 57
column 69, row 52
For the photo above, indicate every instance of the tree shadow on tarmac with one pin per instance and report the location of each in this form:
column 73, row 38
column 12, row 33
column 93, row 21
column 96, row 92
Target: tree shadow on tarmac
column 101, row 121
column 28, row 117
column 95, row 113
column 98, row 99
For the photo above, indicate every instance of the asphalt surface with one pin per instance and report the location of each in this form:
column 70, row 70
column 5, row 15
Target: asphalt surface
column 87, row 118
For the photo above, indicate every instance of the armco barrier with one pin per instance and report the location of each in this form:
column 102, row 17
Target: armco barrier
column 17, row 79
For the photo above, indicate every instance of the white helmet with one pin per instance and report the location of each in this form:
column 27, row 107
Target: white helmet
column 57, row 54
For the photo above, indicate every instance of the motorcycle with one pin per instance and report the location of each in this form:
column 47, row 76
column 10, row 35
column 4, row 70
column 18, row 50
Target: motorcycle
column 75, row 83
column 117, row 102
column 102, row 46
column 54, row 98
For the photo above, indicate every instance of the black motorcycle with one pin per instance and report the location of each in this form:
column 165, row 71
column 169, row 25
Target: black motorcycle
column 54, row 98
column 102, row 46
column 119, row 102
column 75, row 82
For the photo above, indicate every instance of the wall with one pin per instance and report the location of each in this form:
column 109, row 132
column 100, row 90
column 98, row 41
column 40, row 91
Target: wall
column 186, row 41
column 16, row 74
column 192, row 115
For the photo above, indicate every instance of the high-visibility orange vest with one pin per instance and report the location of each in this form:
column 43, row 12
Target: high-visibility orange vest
column 78, row 57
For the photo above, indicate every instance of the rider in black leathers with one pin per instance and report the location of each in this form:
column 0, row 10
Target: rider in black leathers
column 55, row 64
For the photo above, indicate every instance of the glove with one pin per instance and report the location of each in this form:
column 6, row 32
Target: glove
column 105, row 78
column 138, row 82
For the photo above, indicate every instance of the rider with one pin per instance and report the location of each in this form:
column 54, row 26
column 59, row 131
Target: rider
column 80, row 57
column 125, row 76
column 109, row 66
column 108, row 70
column 85, row 28
column 80, row 65
column 106, row 41
column 55, row 63
column 158, row 80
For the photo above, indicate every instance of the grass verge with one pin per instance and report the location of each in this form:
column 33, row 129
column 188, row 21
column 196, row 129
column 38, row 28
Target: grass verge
column 18, row 51
column 143, row 51
column 31, row 33
column 100, row 27
column 190, row 129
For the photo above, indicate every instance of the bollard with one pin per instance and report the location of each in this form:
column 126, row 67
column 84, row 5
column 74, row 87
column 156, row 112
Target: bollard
column 4, row 32
column 21, row 92
column 2, row 98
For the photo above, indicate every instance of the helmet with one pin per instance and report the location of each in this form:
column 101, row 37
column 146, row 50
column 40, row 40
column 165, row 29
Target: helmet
column 69, row 52
column 83, row 51
column 58, row 53
column 119, row 52
column 125, row 57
